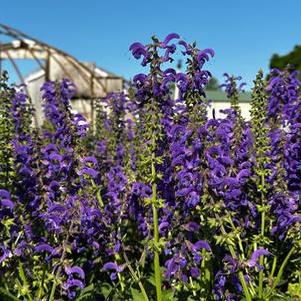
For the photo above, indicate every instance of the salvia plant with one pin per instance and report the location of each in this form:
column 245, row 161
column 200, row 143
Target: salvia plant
column 155, row 201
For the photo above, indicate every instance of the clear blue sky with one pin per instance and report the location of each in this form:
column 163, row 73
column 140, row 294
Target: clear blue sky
column 244, row 34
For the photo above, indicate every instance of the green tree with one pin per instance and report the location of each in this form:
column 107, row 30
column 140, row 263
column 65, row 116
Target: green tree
column 213, row 84
column 293, row 59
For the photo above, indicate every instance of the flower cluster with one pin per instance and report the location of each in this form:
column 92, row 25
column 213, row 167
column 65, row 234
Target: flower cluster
column 154, row 201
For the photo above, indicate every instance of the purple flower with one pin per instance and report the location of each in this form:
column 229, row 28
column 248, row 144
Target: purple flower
column 4, row 253
column 163, row 226
column 194, row 272
column 203, row 55
column 71, row 285
column 191, row 226
column 7, row 203
column 88, row 171
column 201, row 244
column 75, row 270
column 170, row 37
column 43, row 247
column 256, row 254
column 112, row 266
column 138, row 50
column 4, row 194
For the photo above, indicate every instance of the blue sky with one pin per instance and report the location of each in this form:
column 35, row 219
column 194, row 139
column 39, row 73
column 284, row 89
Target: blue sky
column 244, row 34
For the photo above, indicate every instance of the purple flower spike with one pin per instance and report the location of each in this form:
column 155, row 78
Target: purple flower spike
column 90, row 159
column 140, row 78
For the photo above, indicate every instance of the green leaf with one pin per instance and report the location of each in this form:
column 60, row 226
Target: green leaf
column 294, row 290
column 86, row 292
column 151, row 280
column 7, row 294
column 168, row 295
column 106, row 290
column 137, row 296
column 22, row 274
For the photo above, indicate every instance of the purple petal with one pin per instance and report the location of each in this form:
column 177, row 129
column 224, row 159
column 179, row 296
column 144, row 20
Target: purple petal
column 140, row 78
column 194, row 272
column 54, row 156
column 201, row 244
column 43, row 247
column 90, row 159
column 256, row 254
column 4, row 253
column 191, row 226
column 73, row 283
column 162, row 226
column 170, row 37
column 112, row 266
column 138, row 50
column 75, row 270
column 7, row 203
column 4, row 194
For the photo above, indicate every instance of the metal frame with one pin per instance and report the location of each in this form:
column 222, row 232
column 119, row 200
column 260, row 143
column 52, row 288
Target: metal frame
column 41, row 53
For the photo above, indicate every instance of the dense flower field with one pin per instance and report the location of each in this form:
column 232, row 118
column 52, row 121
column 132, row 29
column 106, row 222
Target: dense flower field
column 154, row 201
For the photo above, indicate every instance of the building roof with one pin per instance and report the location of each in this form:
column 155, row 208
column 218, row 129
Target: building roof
column 221, row 96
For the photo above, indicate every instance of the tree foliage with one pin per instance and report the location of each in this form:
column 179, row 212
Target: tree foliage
column 293, row 59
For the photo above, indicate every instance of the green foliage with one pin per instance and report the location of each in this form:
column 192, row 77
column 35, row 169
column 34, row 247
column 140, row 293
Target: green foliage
column 6, row 133
column 213, row 85
column 260, row 130
column 293, row 58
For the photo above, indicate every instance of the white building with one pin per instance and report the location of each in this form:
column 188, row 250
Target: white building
column 219, row 102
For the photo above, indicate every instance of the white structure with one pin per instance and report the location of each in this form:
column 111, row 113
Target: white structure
column 219, row 102
column 54, row 64
column 87, row 90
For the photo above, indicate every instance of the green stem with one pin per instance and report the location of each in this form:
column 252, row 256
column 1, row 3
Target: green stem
column 24, row 280
column 98, row 194
column 280, row 272
column 273, row 266
column 206, row 268
column 238, row 239
column 135, row 277
column 120, row 280
column 192, row 286
column 261, row 258
column 40, row 291
column 240, row 273
column 157, row 269
column 156, row 255
column 242, row 278
column 54, row 284
column 6, row 293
